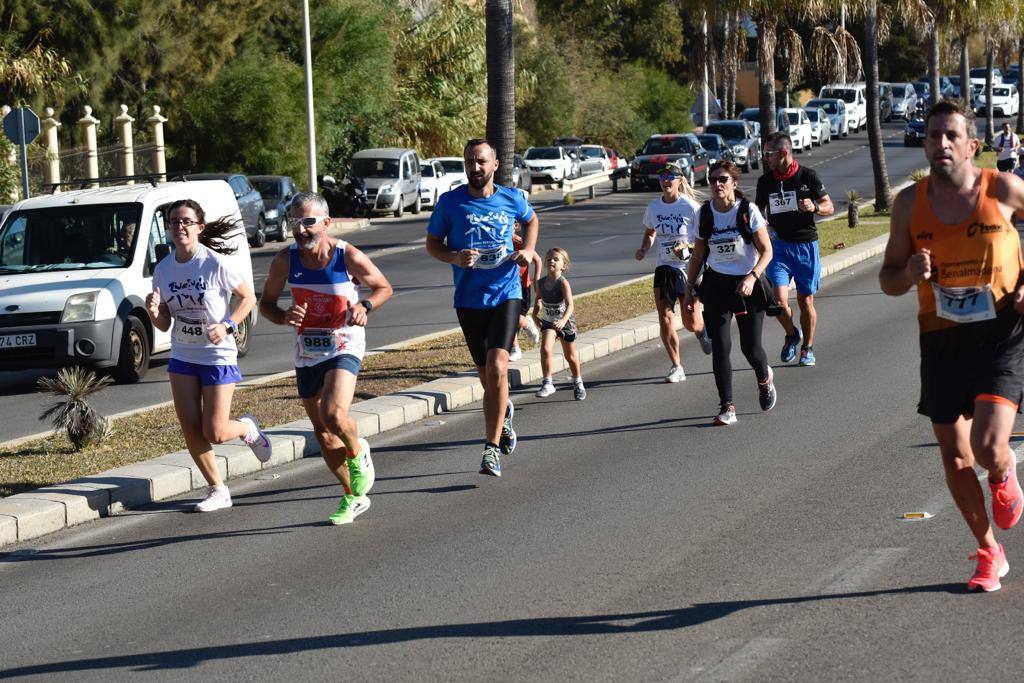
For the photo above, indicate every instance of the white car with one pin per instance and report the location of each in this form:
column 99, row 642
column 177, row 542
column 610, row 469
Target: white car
column 836, row 111
column 1004, row 101
column 821, row 127
column 435, row 182
column 795, row 122
column 595, row 159
column 454, row 168
column 855, row 97
column 548, row 164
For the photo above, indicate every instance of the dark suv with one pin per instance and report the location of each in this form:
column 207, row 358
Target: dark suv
column 739, row 135
column 250, row 203
column 661, row 149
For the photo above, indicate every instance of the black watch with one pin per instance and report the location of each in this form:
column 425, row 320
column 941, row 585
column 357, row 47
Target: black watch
column 367, row 304
column 229, row 325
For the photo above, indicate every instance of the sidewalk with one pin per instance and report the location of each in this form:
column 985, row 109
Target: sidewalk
column 26, row 516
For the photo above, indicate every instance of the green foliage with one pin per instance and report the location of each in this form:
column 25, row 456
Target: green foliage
column 547, row 109
column 664, row 103
column 73, row 415
column 10, row 177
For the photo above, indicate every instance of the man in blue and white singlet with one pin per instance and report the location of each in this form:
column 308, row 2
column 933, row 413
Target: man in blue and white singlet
column 329, row 318
column 471, row 228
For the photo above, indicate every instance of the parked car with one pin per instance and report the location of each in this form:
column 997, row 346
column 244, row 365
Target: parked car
column 454, row 168
column 752, row 115
column 717, row 148
column 821, row 127
column 75, row 269
column 838, row 119
column 980, row 73
column 946, row 85
column 392, row 178
column 740, row 136
column 548, row 164
column 853, row 94
column 660, row 149
column 904, row 100
column 954, row 82
column 594, row 159
column 924, row 95
column 277, row 191
column 1004, row 101
column 519, row 174
column 434, row 181
column 619, row 163
column 794, row 121
column 885, row 101
column 250, row 203
column 914, row 133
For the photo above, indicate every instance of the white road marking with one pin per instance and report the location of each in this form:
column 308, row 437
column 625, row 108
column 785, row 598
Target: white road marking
column 855, row 571
column 605, row 239
column 736, row 665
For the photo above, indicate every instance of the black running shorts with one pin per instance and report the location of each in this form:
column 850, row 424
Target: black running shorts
column 489, row 328
column 671, row 282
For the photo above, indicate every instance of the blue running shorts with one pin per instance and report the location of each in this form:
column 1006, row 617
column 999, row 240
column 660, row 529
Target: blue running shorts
column 799, row 261
column 208, row 375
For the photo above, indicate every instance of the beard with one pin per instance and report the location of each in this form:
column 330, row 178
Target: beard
column 480, row 182
column 309, row 243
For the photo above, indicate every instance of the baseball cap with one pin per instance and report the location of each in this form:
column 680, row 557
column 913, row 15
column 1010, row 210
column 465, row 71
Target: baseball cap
column 672, row 168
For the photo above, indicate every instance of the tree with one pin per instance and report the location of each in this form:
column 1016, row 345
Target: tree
column 501, row 85
column 872, row 30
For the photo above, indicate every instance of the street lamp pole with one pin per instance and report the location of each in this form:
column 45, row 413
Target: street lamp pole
column 310, row 124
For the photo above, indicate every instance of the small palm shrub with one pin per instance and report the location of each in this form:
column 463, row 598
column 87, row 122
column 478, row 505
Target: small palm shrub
column 72, row 414
column 853, row 210
column 918, row 174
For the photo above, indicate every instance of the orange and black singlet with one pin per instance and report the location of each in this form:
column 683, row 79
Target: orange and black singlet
column 976, row 266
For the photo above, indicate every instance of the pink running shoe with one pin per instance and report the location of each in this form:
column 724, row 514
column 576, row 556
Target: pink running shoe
column 1007, row 499
column 992, row 565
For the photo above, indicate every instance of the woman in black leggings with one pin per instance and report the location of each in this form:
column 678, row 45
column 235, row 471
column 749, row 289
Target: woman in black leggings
column 733, row 249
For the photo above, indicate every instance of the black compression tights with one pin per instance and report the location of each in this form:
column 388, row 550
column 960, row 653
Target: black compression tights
column 750, row 326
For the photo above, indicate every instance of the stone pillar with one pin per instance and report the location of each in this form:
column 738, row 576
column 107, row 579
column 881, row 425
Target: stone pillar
column 12, row 160
column 156, row 123
column 51, row 171
column 124, row 131
column 88, row 125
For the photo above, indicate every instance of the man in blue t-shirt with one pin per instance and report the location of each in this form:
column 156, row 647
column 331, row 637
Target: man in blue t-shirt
column 471, row 228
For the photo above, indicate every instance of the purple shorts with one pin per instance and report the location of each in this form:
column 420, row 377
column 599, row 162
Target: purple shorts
column 208, row 375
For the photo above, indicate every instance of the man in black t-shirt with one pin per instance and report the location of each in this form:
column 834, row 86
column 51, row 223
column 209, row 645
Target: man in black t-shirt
column 790, row 196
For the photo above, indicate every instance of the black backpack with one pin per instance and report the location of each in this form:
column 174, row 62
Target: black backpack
column 706, row 224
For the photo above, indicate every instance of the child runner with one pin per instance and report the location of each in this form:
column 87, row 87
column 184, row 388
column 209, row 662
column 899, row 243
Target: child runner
column 525, row 319
column 192, row 289
column 554, row 310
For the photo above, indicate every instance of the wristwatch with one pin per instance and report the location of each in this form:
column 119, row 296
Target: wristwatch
column 367, row 304
column 816, row 205
column 229, row 325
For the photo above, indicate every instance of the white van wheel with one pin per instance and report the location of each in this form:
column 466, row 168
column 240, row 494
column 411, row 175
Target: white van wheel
column 133, row 359
column 418, row 206
column 400, row 210
column 242, row 335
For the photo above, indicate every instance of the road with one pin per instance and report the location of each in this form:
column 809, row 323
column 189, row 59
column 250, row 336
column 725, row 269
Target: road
column 628, row 539
column 600, row 235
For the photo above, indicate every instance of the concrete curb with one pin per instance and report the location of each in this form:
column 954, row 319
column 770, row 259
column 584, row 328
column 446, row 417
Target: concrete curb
column 29, row 515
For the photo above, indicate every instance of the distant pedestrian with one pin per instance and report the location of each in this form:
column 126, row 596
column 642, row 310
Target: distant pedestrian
column 471, row 229
column 192, row 289
column 791, row 195
column 670, row 226
column 329, row 318
column 555, row 312
column 1007, row 145
column 733, row 249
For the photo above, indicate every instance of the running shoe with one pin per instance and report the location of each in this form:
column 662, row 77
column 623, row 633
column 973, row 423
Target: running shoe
column 256, row 439
column 361, row 474
column 579, row 392
column 726, row 416
column 790, row 346
column 217, row 498
column 766, row 391
column 705, row 341
column 1007, row 498
column 547, row 388
column 532, row 333
column 807, row 356
column 491, row 463
column 675, row 374
column 992, row 566
column 508, row 440
column 515, row 354
column 349, row 508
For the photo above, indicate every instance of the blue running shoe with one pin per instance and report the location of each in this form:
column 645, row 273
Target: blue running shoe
column 491, row 463
column 789, row 348
column 807, row 356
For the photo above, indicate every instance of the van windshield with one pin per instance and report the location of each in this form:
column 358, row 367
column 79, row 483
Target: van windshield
column 678, row 145
column 543, row 153
column 375, row 168
column 845, row 94
column 69, row 238
column 729, row 131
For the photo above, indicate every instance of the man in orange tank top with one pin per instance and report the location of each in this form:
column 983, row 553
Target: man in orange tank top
column 952, row 236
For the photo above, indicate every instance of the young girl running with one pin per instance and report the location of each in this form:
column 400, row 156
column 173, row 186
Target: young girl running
column 554, row 311
column 192, row 290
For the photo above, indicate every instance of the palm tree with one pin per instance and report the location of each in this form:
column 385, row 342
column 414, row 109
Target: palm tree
column 873, row 31
column 791, row 54
column 1020, row 81
column 501, row 85
column 73, row 415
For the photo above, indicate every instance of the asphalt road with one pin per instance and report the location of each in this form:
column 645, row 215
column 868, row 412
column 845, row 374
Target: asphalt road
column 627, row 540
column 600, row 235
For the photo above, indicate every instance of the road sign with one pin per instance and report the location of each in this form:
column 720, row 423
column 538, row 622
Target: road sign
column 21, row 119
column 22, row 127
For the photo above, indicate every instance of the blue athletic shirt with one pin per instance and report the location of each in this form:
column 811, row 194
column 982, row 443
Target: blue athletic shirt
column 484, row 224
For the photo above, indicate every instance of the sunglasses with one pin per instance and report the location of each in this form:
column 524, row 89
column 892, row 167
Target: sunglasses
column 669, row 177
column 772, row 152
column 723, row 179
column 305, row 221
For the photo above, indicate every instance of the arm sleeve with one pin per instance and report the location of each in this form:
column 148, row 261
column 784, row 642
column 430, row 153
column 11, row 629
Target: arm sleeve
column 649, row 219
column 438, row 225
column 817, row 187
column 757, row 221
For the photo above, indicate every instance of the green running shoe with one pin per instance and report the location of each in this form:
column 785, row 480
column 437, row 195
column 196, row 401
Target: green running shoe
column 361, row 474
column 349, row 508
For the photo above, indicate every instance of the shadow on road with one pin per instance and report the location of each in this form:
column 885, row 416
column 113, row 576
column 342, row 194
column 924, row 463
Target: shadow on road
column 584, row 625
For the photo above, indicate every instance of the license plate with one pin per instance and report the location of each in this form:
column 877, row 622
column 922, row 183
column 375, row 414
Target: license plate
column 11, row 341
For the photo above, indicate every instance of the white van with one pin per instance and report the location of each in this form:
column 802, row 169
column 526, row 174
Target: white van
column 855, row 96
column 75, row 269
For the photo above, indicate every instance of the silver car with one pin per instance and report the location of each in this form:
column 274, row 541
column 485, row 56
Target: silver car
column 392, row 178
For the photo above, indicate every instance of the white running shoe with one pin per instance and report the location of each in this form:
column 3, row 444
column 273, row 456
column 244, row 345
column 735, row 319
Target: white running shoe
column 515, row 354
column 256, row 439
column 531, row 330
column 726, row 416
column 217, row 498
column 675, row 374
column 547, row 388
